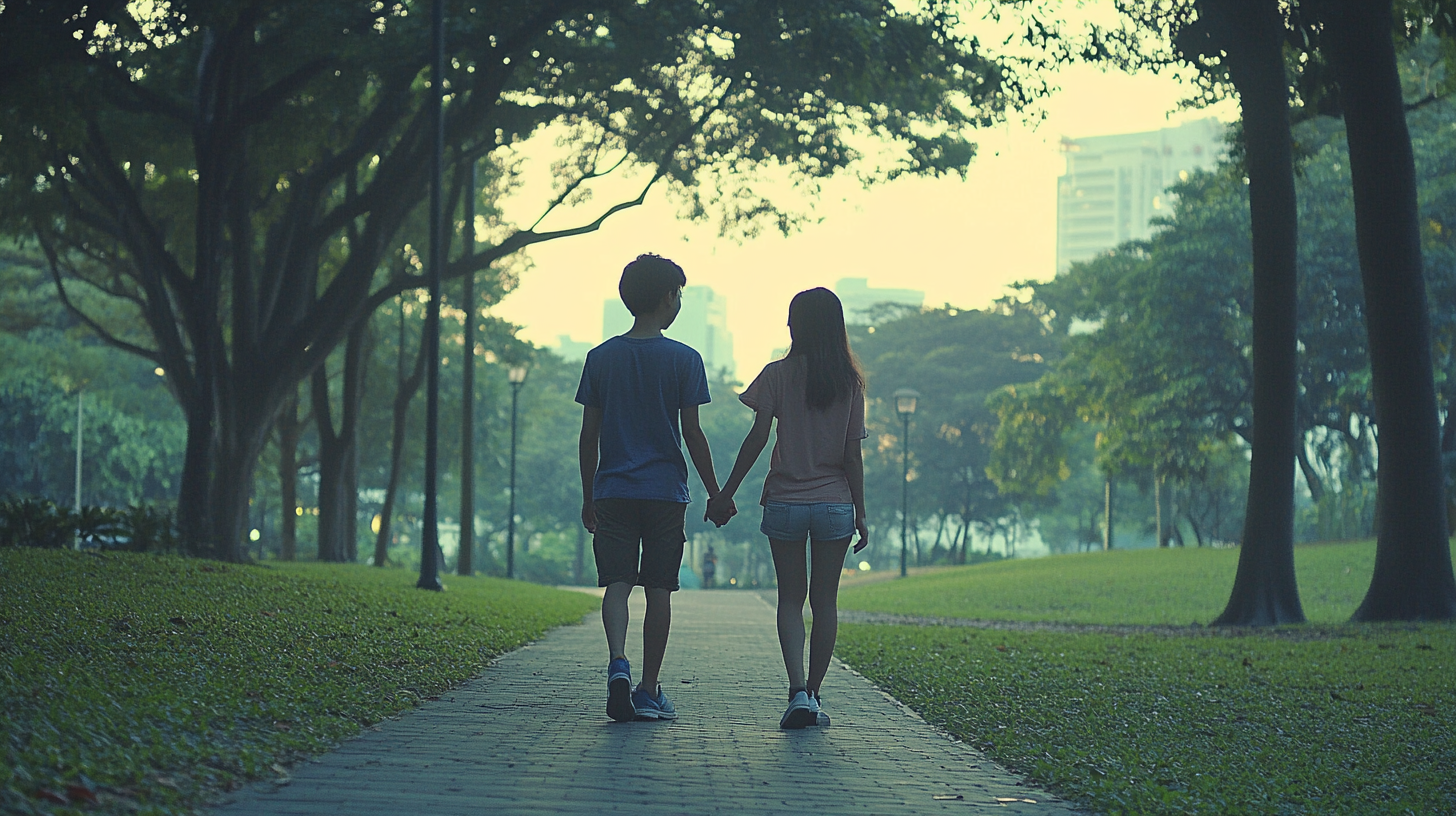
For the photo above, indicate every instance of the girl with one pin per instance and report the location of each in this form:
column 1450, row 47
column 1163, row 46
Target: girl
column 815, row 484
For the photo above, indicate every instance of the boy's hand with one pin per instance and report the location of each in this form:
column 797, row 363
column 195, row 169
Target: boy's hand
column 589, row 516
column 863, row 528
column 720, row 509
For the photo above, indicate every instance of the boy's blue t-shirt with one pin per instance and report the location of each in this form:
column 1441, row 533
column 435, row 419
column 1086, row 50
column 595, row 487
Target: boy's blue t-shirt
column 640, row 384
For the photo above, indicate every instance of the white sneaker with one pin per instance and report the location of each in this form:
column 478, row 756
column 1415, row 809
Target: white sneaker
column 801, row 711
column 820, row 718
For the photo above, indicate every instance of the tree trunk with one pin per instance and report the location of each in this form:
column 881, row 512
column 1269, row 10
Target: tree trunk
column 199, row 462
column 1413, row 578
column 289, row 430
column 404, row 392
column 1264, row 591
column 338, row 486
column 1312, row 479
column 221, row 457
column 1158, row 509
column 1107, row 497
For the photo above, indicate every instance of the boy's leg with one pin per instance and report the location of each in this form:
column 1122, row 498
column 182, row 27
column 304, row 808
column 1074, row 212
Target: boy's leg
column 662, row 551
column 824, row 601
column 615, row 547
column 655, row 627
column 792, row 578
column 615, row 617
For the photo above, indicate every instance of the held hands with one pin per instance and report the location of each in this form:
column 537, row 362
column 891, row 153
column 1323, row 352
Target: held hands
column 720, row 509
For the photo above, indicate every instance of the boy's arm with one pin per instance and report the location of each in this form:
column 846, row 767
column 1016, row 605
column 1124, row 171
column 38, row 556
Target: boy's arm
column 697, row 443
column 586, row 451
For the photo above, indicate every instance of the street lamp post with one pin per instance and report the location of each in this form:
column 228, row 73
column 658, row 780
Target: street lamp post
column 465, row 561
column 517, row 376
column 905, row 399
column 430, row 534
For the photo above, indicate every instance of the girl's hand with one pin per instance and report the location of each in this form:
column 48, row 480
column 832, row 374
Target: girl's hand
column 589, row 516
column 863, row 528
column 720, row 509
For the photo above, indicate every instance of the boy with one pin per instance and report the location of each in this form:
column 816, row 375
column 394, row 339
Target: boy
column 634, row 388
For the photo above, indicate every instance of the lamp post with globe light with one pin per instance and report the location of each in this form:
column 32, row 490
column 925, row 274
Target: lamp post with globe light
column 517, row 377
column 905, row 400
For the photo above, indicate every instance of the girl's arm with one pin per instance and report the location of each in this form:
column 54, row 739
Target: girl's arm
column 752, row 447
column 854, row 470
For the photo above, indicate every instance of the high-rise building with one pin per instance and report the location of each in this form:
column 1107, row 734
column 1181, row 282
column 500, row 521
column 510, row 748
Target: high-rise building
column 859, row 298
column 572, row 351
column 1115, row 185
column 702, row 324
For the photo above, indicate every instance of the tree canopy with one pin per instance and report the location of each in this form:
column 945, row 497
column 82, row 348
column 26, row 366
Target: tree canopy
column 240, row 176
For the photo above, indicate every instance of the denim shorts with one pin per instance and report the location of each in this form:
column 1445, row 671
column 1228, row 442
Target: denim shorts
column 821, row 521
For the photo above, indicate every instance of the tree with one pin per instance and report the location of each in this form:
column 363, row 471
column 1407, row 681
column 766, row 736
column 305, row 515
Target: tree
column 1413, row 577
column 243, row 177
column 132, row 433
column 955, row 358
column 1252, row 38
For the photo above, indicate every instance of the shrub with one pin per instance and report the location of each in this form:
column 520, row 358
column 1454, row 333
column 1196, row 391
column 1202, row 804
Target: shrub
column 41, row 523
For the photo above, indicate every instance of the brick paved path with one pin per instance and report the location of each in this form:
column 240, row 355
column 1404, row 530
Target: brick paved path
column 530, row 736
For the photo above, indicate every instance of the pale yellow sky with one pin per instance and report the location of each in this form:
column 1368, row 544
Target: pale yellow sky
column 961, row 242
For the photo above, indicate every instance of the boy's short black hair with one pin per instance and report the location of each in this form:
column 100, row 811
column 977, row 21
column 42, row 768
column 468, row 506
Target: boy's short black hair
column 647, row 280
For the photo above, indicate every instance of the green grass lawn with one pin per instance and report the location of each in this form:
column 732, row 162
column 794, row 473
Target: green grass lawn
column 1362, row 722
column 1171, row 586
column 138, row 683
column 1328, row 718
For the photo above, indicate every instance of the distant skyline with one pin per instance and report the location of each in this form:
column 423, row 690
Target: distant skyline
column 960, row 242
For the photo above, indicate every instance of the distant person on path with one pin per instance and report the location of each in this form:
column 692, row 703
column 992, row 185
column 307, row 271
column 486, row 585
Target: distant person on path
column 710, row 567
column 640, row 394
column 814, row 488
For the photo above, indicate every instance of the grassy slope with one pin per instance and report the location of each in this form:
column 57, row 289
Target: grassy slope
column 151, row 682
column 1306, row 720
column 1171, row 586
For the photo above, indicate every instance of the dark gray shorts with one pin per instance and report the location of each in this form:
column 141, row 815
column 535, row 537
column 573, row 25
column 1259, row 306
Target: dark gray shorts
column 639, row 541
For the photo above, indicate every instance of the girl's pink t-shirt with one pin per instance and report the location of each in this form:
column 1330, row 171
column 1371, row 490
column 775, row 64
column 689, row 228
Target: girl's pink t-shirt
column 807, row 465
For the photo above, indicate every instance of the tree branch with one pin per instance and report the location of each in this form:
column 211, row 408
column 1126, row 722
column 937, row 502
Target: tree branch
column 53, row 262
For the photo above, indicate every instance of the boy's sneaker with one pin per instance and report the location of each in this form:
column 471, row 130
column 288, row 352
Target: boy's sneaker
column 801, row 712
column 650, row 707
column 619, row 690
column 820, row 718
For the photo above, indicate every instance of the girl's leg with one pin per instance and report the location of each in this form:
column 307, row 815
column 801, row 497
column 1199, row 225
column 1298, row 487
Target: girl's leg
column 793, row 581
column 824, row 601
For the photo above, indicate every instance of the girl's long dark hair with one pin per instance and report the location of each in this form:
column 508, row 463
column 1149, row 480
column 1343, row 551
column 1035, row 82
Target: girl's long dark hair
column 816, row 323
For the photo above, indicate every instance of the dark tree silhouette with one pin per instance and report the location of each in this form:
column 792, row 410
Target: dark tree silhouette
column 235, row 176
column 1413, row 578
column 1252, row 37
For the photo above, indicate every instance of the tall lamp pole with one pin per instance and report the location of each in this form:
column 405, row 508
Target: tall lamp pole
column 905, row 399
column 517, row 376
column 430, row 537
column 465, row 561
